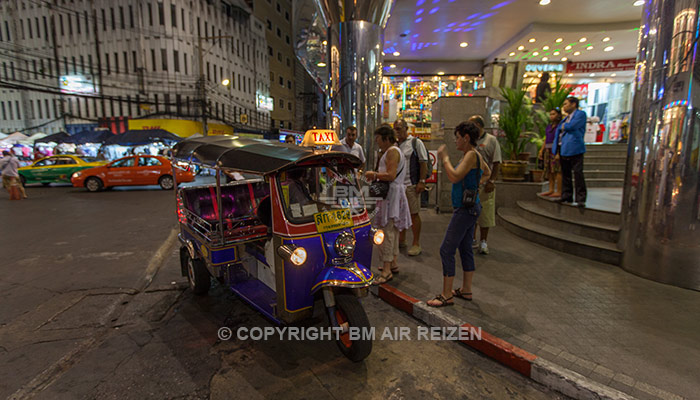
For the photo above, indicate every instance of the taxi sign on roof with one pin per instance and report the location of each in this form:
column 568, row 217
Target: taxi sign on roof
column 320, row 137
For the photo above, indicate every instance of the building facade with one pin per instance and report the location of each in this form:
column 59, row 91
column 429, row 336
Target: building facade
column 89, row 61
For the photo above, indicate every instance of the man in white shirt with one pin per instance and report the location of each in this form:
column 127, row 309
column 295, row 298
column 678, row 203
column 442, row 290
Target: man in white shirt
column 489, row 148
column 416, row 157
column 349, row 145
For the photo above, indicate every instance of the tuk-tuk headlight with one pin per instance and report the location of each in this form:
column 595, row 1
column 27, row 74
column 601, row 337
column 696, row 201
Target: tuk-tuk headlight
column 377, row 236
column 293, row 254
column 345, row 244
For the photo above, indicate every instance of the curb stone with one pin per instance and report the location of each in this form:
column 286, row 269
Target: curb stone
column 539, row 370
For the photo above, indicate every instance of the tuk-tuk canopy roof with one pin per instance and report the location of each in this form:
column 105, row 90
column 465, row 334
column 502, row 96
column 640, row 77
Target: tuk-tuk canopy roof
column 257, row 156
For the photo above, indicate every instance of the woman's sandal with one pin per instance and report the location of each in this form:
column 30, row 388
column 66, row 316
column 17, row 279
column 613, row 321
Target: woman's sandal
column 443, row 301
column 393, row 270
column 382, row 280
column 462, row 295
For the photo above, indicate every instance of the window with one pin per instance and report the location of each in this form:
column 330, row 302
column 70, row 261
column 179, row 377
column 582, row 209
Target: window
column 77, row 23
column 161, row 14
column 131, row 16
column 148, row 161
column 75, row 71
column 289, row 107
column 29, row 27
column 279, row 33
column 114, row 20
column 126, row 162
column 289, row 63
column 38, row 107
column 107, row 61
column 116, row 63
column 153, row 59
column 126, row 63
column 289, row 84
column 269, row 50
column 136, row 65
column 60, row 22
column 46, row 29
column 286, row 38
column 176, row 60
column 279, row 56
column 279, row 9
column 281, row 80
column 282, row 104
column 121, row 17
column 184, row 58
column 269, row 24
column 104, row 20
column 272, row 76
column 182, row 14
column 150, row 14
column 173, row 15
column 164, row 59
column 286, row 15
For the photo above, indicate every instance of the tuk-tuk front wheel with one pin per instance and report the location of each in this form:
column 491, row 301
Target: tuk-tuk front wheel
column 349, row 313
column 198, row 276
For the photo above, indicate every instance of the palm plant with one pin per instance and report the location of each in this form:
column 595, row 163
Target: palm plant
column 515, row 121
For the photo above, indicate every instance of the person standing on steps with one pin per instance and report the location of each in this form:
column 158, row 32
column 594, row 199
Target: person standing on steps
column 552, row 168
column 416, row 157
column 471, row 172
column 569, row 148
column 489, row 148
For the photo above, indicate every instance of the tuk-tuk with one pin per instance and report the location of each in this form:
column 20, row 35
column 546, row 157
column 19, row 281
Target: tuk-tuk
column 297, row 232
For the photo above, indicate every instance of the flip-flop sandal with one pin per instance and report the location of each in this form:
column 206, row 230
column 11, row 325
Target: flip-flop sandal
column 393, row 270
column 382, row 280
column 443, row 301
column 462, row 295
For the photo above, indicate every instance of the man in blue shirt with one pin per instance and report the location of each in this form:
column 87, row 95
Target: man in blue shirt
column 569, row 148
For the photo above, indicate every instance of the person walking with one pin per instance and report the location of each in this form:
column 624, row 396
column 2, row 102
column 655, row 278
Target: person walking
column 569, row 148
column 9, row 164
column 471, row 172
column 552, row 167
column 416, row 157
column 489, row 148
column 349, row 145
column 393, row 213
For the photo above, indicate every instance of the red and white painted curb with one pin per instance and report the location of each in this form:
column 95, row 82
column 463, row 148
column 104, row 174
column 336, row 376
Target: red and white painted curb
column 542, row 371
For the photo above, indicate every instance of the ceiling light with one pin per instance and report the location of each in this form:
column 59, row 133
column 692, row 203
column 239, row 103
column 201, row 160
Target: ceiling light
column 571, row 75
column 441, row 73
column 396, row 54
column 589, row 48
column 545, row 58
column 537, row 53
column 525, row 76
column 392, row 66
column 321, row 64
column 545, row 48
column 583, row 39
column 567, row 47
column 613, row 75
column 383, row 53
column 564, row 58
column 606, row 39
column 578, row 53
column 591, row 75
column 463, row 44
column 521, row 47
column 559, row 40
column 638, row 3
column 556, row 53
column 532, row 40
column 545, row 2
column 609, row 48
column 539, row 75
column 325, row 42
column 512, row 53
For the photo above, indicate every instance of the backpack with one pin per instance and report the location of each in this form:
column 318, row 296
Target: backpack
column 414, row 165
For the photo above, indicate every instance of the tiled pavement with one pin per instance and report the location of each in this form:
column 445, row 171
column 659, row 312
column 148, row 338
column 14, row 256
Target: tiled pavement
column 632, row 334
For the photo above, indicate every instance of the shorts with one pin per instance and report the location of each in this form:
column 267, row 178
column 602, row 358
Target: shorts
column 413, row 199
column 487, row 219
column 390, row 247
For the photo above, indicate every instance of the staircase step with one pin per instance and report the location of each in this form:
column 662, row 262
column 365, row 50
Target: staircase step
column 604, row 182
column 595, row 158
column 604, row 166
column 569, row 211
column 579, row 226
column 596, row 174
column 566, row 242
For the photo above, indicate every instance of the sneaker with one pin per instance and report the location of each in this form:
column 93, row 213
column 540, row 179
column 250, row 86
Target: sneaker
column 475, row 244
column 483, row 247
column 414, row 250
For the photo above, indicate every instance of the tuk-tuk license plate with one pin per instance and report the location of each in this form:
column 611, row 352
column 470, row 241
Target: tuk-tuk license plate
column 333, row 220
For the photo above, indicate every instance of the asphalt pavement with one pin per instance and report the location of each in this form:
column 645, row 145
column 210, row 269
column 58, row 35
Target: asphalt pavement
column 94, row 307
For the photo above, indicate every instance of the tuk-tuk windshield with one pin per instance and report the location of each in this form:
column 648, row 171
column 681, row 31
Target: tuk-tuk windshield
column 309, row 190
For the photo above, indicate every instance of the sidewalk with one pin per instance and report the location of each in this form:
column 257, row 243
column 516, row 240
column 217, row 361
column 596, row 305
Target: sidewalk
column 626, row 332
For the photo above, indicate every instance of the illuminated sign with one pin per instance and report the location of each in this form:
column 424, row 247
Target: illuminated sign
column 540, row 67
column 265, row 102
column 585, row 67
column 81, row 84
column 320, row 137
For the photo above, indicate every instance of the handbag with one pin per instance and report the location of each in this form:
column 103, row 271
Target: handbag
column 470, row 196
column 380, row 189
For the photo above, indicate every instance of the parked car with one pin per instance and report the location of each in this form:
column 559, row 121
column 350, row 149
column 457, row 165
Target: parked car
column 58, row 168
column 131, row 171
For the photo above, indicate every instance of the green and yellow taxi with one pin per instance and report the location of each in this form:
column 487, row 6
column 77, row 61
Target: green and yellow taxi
column 58, row 168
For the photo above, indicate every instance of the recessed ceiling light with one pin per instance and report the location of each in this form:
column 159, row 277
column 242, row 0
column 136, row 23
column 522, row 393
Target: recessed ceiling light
column 571, row 75
column 525, row 76
column 591, row 75
column 545, row 58
column 325, row 42
column 559, row 40
column 521, row 47
column 606, row 39
column 441, row 73
column 512, row 53
column 536, row 53
column 532, row 40
column 383, row 53
column 564, row 58
column 392, row 66
column 583, row 39
column 589, row 48
column 545, row 2
column 556, row 53
column 463, row 44
column 613, row 75
column 638, row 3
column 609, row 48
column 578, row 53
column 545, row 48
column 321, row 64
column 567, row 47
column 396, row 54
column 539, row 75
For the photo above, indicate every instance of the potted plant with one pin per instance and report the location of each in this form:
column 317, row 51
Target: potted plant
column 516, row 123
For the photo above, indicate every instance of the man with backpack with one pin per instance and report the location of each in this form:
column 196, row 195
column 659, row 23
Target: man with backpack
column 416, row 157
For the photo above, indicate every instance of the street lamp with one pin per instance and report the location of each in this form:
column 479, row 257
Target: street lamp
column 225, row 82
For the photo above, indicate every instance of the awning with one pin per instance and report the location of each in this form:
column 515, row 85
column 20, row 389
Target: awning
column 142, row 137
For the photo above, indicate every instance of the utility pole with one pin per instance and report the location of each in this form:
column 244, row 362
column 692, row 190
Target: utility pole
column 61, row 99
column 99, row 59
column 202, row 88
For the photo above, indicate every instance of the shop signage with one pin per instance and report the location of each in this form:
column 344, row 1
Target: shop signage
column 432, row 156
column 265, row 102
column 542, row 67
column 580, row 91
column 626, row 64
column 77, row 84
column 180, row 127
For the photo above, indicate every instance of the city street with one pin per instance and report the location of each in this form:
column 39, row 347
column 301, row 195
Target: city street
column 94, row 307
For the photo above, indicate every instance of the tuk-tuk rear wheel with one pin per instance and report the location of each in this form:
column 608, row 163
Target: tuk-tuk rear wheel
column 349, row 310
column 198, row 276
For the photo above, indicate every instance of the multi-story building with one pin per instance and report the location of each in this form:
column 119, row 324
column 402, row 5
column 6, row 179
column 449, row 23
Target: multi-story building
column 276, row 16
column 80, row 61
